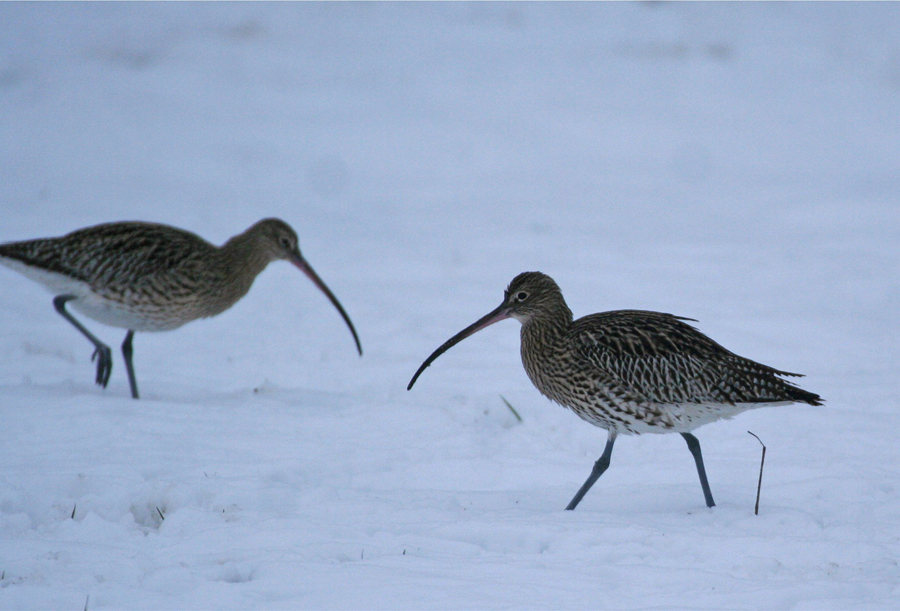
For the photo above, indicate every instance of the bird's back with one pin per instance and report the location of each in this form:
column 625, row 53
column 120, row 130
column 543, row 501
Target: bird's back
column 112, row 253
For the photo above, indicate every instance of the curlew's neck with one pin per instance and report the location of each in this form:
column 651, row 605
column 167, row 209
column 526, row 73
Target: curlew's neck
column 544, row 348
column 544, row 328
column 243, row 258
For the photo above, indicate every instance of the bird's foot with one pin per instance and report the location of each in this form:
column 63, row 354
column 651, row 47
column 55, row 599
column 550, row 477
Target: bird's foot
column 103, row 356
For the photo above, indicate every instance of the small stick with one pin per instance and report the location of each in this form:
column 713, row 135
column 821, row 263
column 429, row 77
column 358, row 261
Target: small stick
column 72, row 517
column 761, row 463
column 512, row 409
column 161, row 516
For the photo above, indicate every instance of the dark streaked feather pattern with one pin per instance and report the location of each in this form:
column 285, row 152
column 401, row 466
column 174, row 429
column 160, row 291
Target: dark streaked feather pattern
column 636, row 371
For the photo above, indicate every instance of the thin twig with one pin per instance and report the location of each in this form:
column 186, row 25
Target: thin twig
column 161, row 516
column 512, row 409
column 72, row 517
column 761, row 463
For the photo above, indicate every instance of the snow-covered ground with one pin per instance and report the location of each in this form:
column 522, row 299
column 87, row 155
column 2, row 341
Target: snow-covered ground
column 735, row 163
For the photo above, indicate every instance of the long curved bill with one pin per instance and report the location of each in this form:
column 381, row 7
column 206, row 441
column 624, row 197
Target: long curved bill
column 497, row 315
column 304, row 267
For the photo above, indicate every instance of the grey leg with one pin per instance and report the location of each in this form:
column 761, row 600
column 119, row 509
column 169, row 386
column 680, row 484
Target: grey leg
column 694, row 447
column 127, row 351
column 102, row 353
column 600, row 466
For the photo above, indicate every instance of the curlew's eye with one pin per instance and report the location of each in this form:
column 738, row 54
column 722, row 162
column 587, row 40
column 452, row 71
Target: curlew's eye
column 285, row 243
column 521, row 296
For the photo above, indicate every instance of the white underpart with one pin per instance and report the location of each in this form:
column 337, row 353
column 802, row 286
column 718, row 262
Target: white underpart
column 88, row 302
column 686, row 417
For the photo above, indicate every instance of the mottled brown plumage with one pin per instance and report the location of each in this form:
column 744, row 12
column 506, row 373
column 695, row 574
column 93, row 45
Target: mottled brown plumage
column 151, row 277
column 630, row 371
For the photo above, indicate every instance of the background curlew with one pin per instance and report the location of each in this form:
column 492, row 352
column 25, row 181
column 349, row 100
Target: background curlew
column 151, row 277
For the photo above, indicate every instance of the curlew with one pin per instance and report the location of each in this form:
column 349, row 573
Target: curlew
column 150, row 277
column 630, row 371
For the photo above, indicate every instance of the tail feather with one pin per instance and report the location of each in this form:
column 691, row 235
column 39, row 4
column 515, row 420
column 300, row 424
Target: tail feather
column 789, row 392
column 805, row 396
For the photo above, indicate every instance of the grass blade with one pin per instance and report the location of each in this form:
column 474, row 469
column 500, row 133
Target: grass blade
column 761, row 463
column 512, row 409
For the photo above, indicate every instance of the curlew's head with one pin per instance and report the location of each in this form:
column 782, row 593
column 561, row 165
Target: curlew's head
column 531, row 296
column 275, row 239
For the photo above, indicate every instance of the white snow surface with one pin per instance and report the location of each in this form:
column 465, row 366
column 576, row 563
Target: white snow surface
column 734, row 163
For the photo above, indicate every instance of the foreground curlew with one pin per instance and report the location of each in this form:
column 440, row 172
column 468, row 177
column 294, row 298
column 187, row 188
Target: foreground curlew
column 630, row 371
column 149, row 277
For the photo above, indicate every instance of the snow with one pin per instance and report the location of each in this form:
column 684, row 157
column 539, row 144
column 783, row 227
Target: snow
column 734, row 163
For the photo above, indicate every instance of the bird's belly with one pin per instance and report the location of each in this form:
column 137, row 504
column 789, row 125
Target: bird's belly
column 137, row 317
column 110, row 310
column 642, row 418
